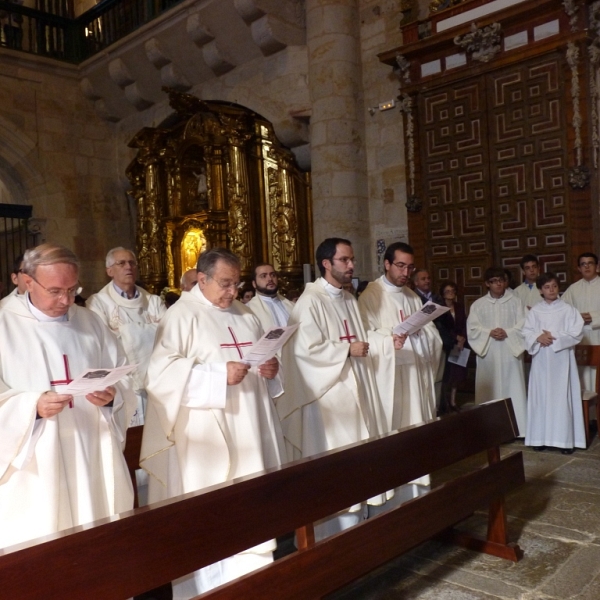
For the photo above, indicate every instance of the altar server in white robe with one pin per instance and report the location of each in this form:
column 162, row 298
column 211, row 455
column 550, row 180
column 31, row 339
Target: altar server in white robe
column 331, row 395
column 528, row 291
column 210, row 417
column 132, row 314
column 494, row 330
column 405, row 367
column 554, row 411
column 584, row 295
column 61, row 457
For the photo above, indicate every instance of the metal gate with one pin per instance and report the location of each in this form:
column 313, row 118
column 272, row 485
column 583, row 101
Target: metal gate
column 14, row 240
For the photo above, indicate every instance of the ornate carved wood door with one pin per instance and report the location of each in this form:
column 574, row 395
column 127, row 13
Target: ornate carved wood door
column 494, row 172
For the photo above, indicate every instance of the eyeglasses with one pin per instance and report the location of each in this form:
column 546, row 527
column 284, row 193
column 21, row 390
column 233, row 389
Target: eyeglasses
column 495, row 280
column 345, row 260
column 225, row 286
column 587, row 264
column 404, row 267
column 122, row 263
column 57, row 294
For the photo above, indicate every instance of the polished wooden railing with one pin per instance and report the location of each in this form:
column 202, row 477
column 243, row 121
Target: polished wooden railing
column 74, row 40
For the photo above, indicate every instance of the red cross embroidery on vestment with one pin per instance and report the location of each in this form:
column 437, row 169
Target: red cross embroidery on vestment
column 347, row 337
column 67, row 378
column 237, row 345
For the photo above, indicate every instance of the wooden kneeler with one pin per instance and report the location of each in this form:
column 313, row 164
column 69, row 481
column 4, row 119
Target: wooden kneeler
column 145, row 548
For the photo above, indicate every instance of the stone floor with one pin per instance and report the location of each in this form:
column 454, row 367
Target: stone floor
column 555, row 518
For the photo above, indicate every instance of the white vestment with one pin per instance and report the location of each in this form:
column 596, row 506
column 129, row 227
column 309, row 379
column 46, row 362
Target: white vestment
column 406, row 377
column 529, row 296
column 331, row 398
column 499, row 363
column 6, row 299
column 585, row 297
column 69, row 469
column 271, row 311
column 134, row 321
column 554, row 412
column 199, row 431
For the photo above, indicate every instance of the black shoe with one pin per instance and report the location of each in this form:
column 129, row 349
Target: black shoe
column 567, row 451
column 539, row 448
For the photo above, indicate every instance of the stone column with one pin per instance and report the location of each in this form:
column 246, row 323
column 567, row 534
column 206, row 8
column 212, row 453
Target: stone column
column 339, row 170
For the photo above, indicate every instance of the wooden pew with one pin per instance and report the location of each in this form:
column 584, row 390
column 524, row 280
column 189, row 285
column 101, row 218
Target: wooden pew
column 126, row 555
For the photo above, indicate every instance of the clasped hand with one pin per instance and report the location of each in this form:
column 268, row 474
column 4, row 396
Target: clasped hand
column 49, row 404
column 236, row 371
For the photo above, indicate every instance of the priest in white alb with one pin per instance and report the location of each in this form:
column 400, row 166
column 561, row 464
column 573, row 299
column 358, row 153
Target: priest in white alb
column 494, row 329
column 405, row 367
column 61, row 457
column 331, row 395
column 584, row 295
column 271, row 308
column 211, row 418
column 132, row 314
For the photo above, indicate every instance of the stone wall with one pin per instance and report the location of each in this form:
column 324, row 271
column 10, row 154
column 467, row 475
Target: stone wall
column 59, row 156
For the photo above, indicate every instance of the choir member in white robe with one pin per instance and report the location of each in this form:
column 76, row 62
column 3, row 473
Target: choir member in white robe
column 584, row 295
column 405, row 369
column 331, row 397
column 494, row 330
column 554, row 412
column 61, row 457
column 18, row 279
column 210, row 417
column 132, row 314
column 528, row 291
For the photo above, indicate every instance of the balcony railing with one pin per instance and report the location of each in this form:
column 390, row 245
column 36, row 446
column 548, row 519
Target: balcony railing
column 74, row 40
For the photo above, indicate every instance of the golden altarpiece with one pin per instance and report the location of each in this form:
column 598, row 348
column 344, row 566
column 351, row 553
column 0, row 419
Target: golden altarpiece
column 214, row 174
column 501, row 125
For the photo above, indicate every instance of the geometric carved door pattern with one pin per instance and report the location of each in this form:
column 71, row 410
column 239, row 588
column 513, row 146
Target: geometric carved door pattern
column 494, row 173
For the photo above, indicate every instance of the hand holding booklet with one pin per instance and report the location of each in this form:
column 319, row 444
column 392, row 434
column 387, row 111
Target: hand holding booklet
column 269, row 344
column 419, row 319
column 94, row 380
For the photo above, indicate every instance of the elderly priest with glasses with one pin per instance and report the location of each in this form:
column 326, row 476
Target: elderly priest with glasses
column 132, row 314
column 61, row 460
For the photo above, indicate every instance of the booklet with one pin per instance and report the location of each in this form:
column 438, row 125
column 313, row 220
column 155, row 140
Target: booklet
column 269, row 344
column 418, row 320
column 94, row 380
column 459, row 357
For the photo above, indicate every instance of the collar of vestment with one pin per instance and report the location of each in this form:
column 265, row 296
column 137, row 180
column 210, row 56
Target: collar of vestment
column 40, row 316
column 137, row 302
column 592, row 281
column 333, row 291
column 196, row 292
column 504, row 298
column 388, row 286
column 269, row 298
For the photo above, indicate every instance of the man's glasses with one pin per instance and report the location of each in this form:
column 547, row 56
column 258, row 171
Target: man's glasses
column 122, row 263
column 56, row 293
column 404, row 267
column 345, row 260
column 225, row 285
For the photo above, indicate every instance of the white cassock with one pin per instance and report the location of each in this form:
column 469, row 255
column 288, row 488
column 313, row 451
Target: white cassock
column 499, row 363
column 554, row 412
column 585, row 297
column 69, row 469
column 405, row 378
column 529, row 296
column 199, row 431
column 134, row 321
column 331, row 398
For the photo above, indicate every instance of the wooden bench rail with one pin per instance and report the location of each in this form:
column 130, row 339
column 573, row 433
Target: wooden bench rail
column 142, row 549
